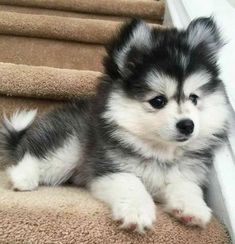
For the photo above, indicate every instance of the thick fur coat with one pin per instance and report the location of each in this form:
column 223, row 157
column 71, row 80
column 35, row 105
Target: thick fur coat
column 149, row 134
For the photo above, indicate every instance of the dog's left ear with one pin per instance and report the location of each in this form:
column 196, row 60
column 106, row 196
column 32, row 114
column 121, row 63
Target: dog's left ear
column 204, row 33
column 126, row 51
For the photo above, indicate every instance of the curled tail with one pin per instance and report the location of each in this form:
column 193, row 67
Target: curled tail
column 12, row 131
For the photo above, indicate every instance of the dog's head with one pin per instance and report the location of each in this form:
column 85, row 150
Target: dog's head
column 165, row 84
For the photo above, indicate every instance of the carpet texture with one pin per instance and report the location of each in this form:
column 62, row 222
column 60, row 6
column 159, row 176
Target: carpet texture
column 52, row 51
column 57, row 27
column 70, row 215
column 131, row 8
column 21, row 80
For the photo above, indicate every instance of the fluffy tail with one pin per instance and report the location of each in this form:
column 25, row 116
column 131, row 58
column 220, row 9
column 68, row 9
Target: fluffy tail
column 12, row 131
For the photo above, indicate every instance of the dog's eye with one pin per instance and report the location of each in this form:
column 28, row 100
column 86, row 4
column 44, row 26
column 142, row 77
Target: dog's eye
column 193, row 98
column 158, row 102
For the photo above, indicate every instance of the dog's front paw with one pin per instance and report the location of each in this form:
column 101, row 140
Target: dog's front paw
column 135, row 216
column 190, row 211
column 22, row 181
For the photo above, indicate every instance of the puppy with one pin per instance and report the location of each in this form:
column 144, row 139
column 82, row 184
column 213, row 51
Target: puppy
column 148, row 135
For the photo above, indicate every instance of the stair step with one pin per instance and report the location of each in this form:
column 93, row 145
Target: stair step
column 52, row 53
column 45, row 82
column 149, row 9
column 41, row 11
column 8, row 105
column 57, row 27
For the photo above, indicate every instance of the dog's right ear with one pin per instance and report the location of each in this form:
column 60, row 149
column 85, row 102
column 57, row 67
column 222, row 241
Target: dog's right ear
column 126, row 50
column 204, row 35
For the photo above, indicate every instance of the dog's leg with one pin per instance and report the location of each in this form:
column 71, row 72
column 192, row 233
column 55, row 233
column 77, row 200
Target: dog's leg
column 25, row 175
column 184, row 200
column 129, row 201
column 55, row 168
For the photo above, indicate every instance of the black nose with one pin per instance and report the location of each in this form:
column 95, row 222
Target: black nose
column 185, row 126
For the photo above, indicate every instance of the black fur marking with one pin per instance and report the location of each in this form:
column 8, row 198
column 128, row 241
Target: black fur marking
column 50, row 132
column 167, row 49
column 212, row 86
column 10, row 139
column 125, row 33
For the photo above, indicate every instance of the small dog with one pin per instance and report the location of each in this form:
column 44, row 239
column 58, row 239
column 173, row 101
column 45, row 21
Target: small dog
column 148, row 135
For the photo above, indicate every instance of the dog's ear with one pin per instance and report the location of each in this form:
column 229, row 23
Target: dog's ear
column 203, row 34
column 126, row 51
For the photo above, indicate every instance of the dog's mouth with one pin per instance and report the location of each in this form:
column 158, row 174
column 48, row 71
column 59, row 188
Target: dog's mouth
column 182, row 139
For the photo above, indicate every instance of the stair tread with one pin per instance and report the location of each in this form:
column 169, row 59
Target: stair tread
column 57, row 27
column 46, row 82
column 70, row 215
column 50, row 52
column 140, row 8
column 53, row 12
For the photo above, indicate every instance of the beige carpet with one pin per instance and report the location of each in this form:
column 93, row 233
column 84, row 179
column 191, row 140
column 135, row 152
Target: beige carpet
column 21, row 80
column 69, row 35
column 51, row 51
column 70, row 215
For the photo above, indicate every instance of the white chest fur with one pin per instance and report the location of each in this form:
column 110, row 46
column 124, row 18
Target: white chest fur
column 150, row 172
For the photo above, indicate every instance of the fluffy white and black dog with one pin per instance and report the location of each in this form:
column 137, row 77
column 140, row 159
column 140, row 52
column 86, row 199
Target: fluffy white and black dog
column 148, row 135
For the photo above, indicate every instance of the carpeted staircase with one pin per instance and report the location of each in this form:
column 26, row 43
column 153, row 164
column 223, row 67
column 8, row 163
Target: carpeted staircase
column 51, row 51
column 61, row 34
